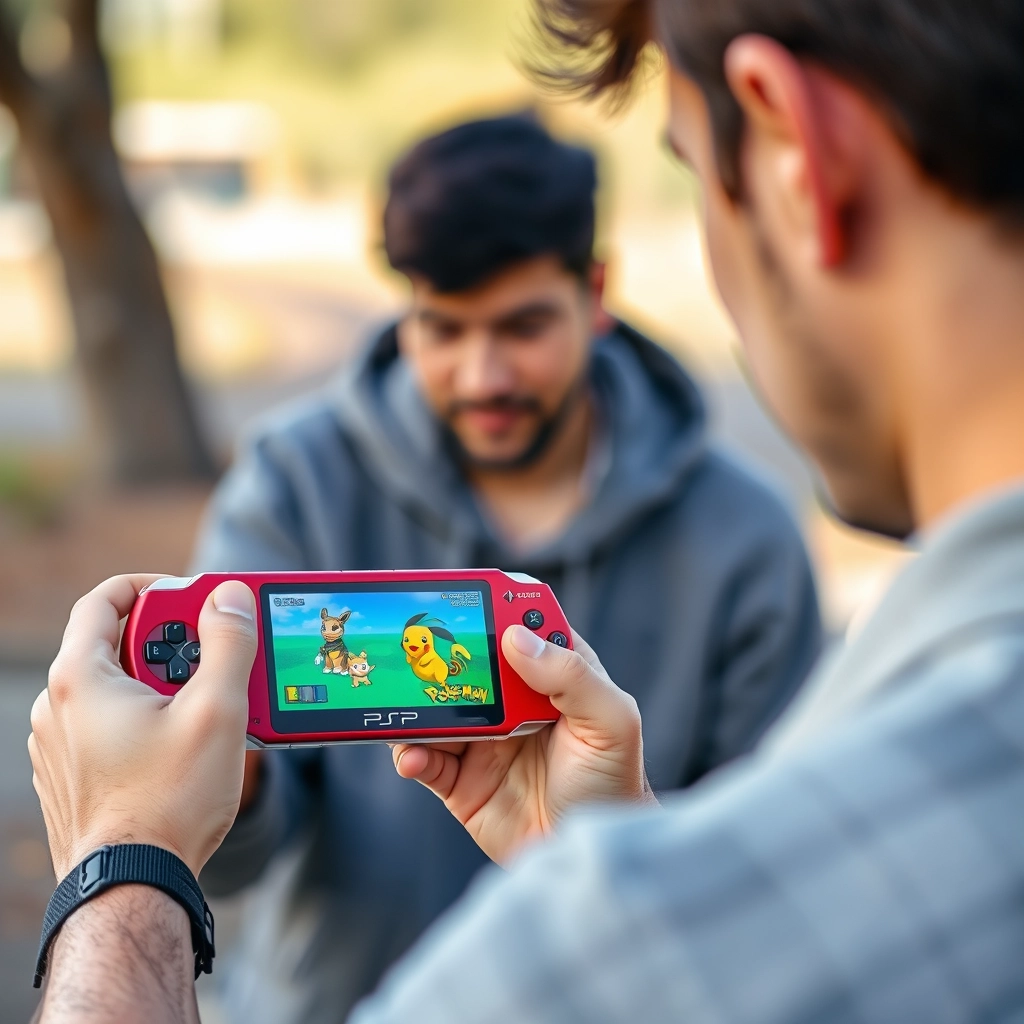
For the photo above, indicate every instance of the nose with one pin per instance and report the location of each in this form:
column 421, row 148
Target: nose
column 483, row 372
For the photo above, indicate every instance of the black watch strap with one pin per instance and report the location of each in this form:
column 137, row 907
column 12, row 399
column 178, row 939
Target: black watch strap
column 130, row 864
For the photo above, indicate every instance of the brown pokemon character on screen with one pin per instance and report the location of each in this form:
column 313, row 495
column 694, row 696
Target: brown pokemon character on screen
column 334, row 655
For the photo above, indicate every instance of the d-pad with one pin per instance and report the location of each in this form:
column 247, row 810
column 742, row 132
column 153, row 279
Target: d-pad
column 175, row 652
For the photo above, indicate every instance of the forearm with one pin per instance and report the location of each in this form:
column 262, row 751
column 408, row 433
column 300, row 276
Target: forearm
column 126, row 956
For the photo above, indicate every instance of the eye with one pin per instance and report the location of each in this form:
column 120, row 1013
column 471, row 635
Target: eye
column 530, row 327
column 423, row 639
column 441, row 332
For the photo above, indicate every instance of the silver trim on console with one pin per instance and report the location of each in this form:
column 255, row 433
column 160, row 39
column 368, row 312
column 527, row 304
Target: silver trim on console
column 521, row 577
column 171, row 583
column 526, row 728
column 523, row 730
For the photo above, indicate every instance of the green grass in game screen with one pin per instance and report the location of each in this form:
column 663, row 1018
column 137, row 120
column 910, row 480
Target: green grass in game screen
column 373, row 670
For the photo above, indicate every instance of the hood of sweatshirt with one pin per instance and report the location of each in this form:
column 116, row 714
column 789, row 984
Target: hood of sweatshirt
column 653, row 426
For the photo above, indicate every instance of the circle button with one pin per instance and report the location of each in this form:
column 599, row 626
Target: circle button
column 533, row 619
column 558, row 639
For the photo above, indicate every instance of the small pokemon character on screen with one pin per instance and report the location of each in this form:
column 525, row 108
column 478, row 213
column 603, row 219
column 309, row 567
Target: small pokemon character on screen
column 379, row 649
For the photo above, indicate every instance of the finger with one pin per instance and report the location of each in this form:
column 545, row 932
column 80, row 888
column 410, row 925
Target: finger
column 97, row 615
column 587, row 653
column 458, row 749
column 435, row 768
column 252, row 778
column 399, row 750
column 579, row 689
column 227, row 633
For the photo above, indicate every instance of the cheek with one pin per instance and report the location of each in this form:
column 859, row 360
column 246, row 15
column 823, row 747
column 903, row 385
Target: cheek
column 433, row 368
column 548, row 366
column 738, row 275
column 437, row 385
column 726, row 264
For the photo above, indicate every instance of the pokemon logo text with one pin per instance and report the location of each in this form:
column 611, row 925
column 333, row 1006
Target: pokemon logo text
column 448, row 692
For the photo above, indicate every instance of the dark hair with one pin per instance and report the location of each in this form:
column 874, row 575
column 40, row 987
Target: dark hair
column 948, row 74
column 478, row 198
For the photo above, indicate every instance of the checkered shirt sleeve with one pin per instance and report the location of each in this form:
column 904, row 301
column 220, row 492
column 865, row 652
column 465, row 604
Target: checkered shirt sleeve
column 875, row 876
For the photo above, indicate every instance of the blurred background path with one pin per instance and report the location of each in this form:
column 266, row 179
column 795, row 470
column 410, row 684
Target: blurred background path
column 25, row 878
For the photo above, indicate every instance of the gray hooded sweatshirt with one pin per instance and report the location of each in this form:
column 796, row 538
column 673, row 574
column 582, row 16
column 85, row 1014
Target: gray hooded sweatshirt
column 684, row 572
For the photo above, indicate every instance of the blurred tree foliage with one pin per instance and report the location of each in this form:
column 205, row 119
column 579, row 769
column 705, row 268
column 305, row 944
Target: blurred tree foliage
column 355, row 81
column 341, row 35
column 347, row 35
column 53, row 77
column 352, row 80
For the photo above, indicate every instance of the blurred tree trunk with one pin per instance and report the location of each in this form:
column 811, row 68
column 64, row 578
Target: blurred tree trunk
column 144, row 426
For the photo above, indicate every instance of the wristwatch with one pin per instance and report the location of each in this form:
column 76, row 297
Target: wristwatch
column 129, row 864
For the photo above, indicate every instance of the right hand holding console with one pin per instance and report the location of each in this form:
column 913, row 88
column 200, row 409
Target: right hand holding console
column 511, row 791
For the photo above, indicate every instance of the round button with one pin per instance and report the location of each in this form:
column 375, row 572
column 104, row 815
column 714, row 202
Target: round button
column 558, row 639
column 533, row 619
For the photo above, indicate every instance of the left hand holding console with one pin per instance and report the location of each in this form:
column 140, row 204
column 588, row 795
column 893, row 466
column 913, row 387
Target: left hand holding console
column 511, row 791
column 116, row 762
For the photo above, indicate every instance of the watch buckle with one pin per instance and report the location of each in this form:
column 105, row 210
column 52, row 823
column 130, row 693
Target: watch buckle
column 205, row 955
column 93, row 870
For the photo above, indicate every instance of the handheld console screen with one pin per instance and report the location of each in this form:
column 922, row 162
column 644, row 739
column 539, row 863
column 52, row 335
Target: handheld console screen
column 348, row 656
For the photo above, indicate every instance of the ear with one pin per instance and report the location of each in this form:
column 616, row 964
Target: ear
column 603, row 320
column 443, row 633
column 323, row 613
column 345, row 616
column 788, row 117
column 415, row 619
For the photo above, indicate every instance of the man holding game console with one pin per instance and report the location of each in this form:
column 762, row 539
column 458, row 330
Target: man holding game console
column 863, row 173
column 490, row 428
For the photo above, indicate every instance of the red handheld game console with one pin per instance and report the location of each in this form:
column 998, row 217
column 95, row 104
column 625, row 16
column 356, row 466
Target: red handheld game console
column 362, row 656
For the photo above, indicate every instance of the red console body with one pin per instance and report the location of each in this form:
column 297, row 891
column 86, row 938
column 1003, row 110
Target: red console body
column 322, row 637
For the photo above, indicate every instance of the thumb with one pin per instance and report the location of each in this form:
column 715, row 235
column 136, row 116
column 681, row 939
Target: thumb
column 577, row 686
column 227, row 633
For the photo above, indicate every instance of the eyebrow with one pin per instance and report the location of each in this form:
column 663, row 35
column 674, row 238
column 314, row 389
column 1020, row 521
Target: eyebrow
column 538, row 308
column 541, row 307
column 432, row 316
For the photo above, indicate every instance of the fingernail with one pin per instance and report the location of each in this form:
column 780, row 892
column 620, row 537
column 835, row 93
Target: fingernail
column 235, row 598
column 527, row 642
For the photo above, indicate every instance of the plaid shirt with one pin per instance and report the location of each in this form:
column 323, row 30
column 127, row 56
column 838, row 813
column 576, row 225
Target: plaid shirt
column 871, row 872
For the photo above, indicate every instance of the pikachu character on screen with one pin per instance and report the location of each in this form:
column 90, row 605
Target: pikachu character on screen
column 420, row 646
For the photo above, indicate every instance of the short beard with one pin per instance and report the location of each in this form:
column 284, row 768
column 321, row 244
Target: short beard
column 549, row 429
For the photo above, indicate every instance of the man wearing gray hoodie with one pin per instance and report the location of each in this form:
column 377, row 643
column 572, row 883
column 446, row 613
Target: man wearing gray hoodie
column 490, row 428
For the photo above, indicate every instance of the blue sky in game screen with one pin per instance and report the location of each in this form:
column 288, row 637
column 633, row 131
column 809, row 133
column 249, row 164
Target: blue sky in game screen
column 377, row 611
